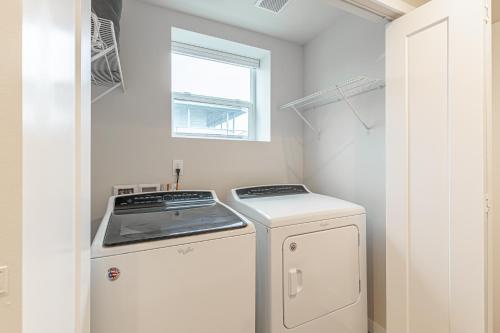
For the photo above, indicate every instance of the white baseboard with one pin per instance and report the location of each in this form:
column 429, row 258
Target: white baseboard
column 375, row 327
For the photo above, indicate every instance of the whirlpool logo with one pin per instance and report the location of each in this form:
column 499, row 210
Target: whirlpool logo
column 185, row 250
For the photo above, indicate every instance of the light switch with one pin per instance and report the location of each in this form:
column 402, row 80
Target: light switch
column 4, row 280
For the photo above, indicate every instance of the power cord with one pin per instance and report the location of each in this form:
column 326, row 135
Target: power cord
column 178, row 172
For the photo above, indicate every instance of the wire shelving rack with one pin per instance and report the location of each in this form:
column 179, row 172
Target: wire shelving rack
column 106, row 68
column 343, row 91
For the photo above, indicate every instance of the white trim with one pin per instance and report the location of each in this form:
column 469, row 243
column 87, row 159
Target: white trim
column 184, row 96
column 372, row 9
column 252, row 111
column 215, row 55
column 396, row 5
column 374, row 327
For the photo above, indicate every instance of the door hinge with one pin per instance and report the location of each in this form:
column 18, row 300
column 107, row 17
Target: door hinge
column 487, row 13
column 487, row 206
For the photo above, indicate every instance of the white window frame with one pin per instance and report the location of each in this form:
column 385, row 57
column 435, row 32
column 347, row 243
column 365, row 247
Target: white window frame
column 223, row 57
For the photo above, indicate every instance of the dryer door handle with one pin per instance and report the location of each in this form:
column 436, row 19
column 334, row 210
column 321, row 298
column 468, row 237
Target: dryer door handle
column 294, row 282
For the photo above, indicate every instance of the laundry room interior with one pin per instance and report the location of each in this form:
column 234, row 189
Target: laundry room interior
column 132, row 141
column 244, row 95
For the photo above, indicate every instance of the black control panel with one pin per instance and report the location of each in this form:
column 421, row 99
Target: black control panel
column 159, row 199
column 270, row 191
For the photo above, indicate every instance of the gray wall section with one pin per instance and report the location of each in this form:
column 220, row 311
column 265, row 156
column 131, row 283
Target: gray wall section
column 131, row 139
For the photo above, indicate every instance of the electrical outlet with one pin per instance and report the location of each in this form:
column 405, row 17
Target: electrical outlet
column 177, row 164
column 125, row 189
column 143, row 188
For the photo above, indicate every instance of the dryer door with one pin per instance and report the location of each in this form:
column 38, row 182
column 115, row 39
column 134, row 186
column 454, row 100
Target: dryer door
column 321, row 274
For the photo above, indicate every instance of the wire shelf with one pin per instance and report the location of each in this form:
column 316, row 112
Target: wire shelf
column 106, row 68
column 351, row 88
column 336, row 93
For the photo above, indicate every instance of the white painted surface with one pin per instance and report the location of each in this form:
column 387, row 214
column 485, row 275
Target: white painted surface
column 11, row 163
column 496, row 176
column 428, row 179
column 416, row 3
column 299, row 21
column 436, row 260
column 131, row 141
column 404, row 6
column 389, row 9
column 348, row 162
column 83, row 164
column 55, row 168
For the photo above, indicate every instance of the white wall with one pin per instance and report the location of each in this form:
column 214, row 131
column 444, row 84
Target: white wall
column 131, row 140
column 348, row 162
column 55, row 164
column 11, row 163
column 496, row 174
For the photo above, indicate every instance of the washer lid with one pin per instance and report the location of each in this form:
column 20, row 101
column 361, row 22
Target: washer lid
column 282, row 210
column 146, row 217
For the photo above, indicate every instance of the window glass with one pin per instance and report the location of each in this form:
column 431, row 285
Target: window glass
column 203, row 119
column 210, row 78
column 211, row 98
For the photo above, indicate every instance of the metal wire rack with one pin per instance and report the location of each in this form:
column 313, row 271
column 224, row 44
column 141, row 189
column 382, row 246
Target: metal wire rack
column 336, row 93
column 106, row 68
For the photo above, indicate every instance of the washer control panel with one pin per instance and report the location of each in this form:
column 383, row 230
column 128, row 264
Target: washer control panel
column 159, row 199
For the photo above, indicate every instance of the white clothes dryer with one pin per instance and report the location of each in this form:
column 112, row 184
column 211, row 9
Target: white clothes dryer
column 311, row 260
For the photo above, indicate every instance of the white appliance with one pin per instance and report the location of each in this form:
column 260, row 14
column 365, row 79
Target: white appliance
column 173, row 262
column 311, row 260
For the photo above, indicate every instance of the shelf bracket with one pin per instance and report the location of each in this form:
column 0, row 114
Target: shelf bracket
column 307, row 122
column 353, row 109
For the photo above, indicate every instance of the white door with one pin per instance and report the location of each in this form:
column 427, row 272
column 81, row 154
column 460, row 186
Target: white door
column 320, row 274
column 436, row 224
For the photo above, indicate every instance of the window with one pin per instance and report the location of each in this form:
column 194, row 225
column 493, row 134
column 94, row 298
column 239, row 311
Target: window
column 213, row 93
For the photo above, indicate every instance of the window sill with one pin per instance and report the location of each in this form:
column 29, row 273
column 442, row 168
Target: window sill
column 214, row 138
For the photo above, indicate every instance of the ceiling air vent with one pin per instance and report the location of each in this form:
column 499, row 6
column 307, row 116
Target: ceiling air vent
column 274, row 6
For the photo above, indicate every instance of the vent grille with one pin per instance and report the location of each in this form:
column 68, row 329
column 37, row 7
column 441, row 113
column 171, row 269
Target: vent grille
column 274, row 6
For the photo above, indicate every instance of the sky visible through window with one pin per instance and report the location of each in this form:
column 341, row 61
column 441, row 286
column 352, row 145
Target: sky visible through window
column 210, row 78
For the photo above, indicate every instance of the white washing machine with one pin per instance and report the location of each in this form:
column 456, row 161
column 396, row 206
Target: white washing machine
column 173, row 262
column 311, row 260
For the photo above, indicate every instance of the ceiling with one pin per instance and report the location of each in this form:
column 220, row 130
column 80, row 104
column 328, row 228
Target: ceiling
column 299, row 21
